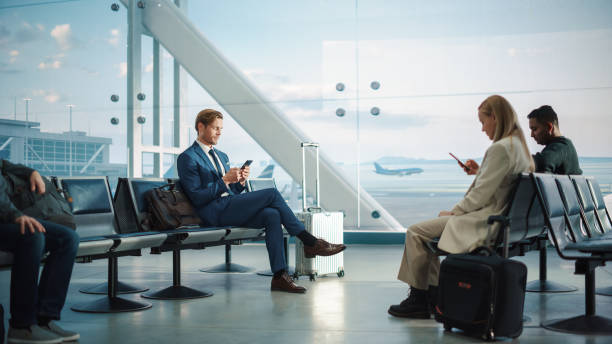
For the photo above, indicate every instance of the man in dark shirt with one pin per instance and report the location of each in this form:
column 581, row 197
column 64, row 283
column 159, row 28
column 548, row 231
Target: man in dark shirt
column 35, row 304
column 559, row 155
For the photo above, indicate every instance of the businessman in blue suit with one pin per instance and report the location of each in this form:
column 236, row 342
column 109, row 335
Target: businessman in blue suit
column 215, row 190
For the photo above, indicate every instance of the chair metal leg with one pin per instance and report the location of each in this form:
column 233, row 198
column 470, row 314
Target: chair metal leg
column 111, row 303
column 177, row 291
column 228, row 266
column 589, row 323
column 543, row 285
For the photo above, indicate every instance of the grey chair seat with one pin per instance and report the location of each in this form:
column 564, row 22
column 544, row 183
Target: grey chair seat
column 591, row 246
column 134, row 242
column 237, row 233
column 94, row 246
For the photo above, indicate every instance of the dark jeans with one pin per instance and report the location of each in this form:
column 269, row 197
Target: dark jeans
column 29, row 297
column 264, row 208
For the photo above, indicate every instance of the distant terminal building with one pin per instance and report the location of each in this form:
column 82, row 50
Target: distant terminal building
column 50, row 153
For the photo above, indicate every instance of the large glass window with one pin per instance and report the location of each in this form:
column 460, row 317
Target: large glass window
column 387, row 88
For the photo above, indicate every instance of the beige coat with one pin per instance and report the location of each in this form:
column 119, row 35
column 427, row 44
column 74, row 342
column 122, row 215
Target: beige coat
column 488, row 195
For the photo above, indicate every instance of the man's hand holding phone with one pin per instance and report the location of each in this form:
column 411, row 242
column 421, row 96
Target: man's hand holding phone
column 245, row 170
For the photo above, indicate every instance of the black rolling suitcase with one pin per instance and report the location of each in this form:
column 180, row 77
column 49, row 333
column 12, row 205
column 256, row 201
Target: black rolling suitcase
column 482, row 294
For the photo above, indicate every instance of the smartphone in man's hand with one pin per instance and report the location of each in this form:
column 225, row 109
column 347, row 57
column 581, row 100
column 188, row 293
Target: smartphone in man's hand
column 460, row 162
column 246, row 163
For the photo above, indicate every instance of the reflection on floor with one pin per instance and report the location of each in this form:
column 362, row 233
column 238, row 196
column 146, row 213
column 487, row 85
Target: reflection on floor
column 352, row 309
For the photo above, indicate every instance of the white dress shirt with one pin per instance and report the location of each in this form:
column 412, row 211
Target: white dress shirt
column 206, row 150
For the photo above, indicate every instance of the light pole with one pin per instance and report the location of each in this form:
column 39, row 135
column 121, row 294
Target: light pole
column 70, row 106
column 25, row 136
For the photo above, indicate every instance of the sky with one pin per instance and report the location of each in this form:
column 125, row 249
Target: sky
column 435, row 61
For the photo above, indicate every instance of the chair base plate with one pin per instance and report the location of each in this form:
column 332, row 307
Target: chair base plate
column 122, row 288
column 111, row 305
column 546, row 286
column 231, row 267
column 606, row 291
column 583, row 324
column 177, row 292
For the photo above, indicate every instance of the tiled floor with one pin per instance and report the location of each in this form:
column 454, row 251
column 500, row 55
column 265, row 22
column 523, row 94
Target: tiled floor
column 352, row 309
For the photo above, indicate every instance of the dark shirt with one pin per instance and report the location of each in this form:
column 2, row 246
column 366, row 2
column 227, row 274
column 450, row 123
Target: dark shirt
column 8, row 212
column 558, row 157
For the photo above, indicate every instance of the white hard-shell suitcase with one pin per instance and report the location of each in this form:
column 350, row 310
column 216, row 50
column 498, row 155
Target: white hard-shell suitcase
column 321, row 224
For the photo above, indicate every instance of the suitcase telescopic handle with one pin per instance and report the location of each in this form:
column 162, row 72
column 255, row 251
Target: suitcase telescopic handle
column 314, row 145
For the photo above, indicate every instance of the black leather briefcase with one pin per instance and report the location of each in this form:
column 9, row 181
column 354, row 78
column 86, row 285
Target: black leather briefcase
column 482, row 294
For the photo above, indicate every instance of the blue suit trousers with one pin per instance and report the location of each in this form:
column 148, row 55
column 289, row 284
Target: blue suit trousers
column 263, row 208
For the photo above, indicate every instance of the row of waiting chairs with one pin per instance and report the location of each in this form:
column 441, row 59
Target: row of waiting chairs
column 112, row 227
column 570, row 212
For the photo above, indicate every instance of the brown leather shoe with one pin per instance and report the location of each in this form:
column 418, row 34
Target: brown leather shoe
column 322, row 248
column 285, row 283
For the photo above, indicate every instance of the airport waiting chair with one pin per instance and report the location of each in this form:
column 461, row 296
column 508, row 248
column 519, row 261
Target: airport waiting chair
column 595, row 212
column 236, row 236
column 91, row 203
column 132, row 206
column 565, row 223
column 520, row 219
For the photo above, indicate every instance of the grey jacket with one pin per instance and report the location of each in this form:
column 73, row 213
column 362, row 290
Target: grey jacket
column 8, row 212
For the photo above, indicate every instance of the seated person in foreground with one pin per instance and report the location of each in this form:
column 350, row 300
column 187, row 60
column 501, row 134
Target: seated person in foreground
column 215, row 190
column 35, row 304
column 464, row 228
column 559, row 155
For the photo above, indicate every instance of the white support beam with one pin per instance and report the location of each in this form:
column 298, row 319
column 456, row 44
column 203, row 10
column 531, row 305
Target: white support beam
column 134, row 57
column 6, row 143
column 93, row 157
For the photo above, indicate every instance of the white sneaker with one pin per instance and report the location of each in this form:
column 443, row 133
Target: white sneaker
column 32, row 335
column 67, row 336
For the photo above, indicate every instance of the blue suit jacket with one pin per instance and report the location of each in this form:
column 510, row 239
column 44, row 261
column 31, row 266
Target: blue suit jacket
column 200, row 181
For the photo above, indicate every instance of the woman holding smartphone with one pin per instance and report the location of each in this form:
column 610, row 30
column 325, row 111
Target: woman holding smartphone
column 464, row 228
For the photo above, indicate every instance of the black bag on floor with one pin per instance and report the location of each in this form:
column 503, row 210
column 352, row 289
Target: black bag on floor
column 482, row 294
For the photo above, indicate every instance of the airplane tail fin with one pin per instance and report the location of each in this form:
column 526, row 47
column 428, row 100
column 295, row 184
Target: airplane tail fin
column 378, row 167
column 267, row 172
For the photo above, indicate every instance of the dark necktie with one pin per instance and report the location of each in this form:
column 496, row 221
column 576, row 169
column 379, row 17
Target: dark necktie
column 217, row 165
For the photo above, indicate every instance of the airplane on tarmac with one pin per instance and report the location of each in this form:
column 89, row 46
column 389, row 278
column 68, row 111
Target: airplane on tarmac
column 397, row 172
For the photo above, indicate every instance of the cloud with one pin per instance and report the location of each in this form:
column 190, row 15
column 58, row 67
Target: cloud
column 57, row 64
column 114, row 38
column 63, row 36
column 50, row 96
column 122, row 69
column 14, row 52
column 40, row 27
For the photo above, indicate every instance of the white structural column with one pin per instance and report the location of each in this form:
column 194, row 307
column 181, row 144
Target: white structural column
column 278, row 136
column 134, row 61
column 157, row 127
column 180, row 90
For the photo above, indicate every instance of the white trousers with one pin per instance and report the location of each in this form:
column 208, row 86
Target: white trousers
column 420, row 267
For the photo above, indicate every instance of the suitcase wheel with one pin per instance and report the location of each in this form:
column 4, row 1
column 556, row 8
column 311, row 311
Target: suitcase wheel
column 489, row 337
column 312, row 277
column 447, row 327
column 340, row 273
column 296, row 276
